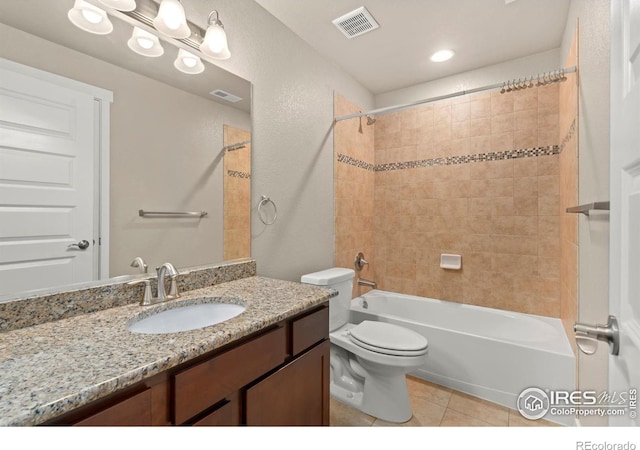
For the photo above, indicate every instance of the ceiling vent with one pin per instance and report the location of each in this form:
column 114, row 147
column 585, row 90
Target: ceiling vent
column 225, row 96
column 356, row 22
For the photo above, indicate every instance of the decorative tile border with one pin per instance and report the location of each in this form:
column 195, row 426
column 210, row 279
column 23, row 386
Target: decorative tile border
column 464, row 159
column 570, row 132
column 236, row 174
column 355, row 162
column 480, row 157
column 452, row 160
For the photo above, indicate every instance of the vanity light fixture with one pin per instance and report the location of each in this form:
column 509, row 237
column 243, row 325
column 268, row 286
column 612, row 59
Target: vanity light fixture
column 171, row 20
column 90, row 18
column 120, row 5
column 215, row 40
column 188, row 62
column 442, row 55
column 144, row 43
column 153, row 21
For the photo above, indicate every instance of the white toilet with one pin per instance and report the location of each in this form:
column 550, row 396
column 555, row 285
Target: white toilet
column 369, row 361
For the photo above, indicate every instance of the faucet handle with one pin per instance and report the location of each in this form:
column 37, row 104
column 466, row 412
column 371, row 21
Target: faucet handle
column 146, row 298
column 173, row 290
column 139, row 263
column 360, row 262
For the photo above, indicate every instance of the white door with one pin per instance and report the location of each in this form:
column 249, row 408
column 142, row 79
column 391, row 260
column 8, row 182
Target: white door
column 624, row 292
column 47, row 147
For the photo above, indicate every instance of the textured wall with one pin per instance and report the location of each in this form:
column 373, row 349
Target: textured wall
column 591, row 19
column 292, row 136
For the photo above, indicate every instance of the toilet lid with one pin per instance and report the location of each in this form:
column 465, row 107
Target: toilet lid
column 389, row 339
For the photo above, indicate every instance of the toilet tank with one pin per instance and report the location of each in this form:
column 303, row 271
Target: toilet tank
column 341, row 280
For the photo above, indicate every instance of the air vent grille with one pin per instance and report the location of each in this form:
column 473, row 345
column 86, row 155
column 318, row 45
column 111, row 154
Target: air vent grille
column 225, row 95
column 356, row 23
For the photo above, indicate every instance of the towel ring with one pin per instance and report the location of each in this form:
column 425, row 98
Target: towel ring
column 263, row 202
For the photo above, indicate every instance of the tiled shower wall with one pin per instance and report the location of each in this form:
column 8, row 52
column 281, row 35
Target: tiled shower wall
column 477, row 175
column 237, row 195
column 353, row 189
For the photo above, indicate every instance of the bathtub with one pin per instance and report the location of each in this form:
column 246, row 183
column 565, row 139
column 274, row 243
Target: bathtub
column 485, row 352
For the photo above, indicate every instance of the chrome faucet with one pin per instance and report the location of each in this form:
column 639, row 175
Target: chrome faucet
column 371, row 284
column 163, row 271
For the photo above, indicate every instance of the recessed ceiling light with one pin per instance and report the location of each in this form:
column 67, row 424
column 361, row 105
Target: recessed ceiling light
column 442, row 55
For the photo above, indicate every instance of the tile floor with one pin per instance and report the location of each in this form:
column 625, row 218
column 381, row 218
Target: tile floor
column 437, row 406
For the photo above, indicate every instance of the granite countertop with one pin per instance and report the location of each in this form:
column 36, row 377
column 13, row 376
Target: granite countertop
column 51, row 368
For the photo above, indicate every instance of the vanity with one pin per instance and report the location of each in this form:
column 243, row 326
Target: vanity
column 268, row 365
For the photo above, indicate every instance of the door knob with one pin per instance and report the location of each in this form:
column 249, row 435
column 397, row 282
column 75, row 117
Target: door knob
column 608, row 333
column 82, row 245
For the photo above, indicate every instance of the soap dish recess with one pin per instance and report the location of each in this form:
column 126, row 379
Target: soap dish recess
column 450, row 262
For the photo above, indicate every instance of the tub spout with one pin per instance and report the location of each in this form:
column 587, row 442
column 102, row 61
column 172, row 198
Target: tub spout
column 371, row 284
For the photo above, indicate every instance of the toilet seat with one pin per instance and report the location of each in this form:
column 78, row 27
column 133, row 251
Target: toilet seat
column 388, row 339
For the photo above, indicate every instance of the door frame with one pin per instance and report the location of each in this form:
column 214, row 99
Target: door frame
column 102, row 106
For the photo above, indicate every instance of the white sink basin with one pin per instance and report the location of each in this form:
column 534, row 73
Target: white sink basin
column 185, row 318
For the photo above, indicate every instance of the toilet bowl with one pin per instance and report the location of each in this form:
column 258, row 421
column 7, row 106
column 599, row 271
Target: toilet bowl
column 369, row 361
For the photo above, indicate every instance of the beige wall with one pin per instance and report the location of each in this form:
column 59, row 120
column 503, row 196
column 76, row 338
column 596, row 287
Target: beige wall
column 292, row 136
column 165, row 155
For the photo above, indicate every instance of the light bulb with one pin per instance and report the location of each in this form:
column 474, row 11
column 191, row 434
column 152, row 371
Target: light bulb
column 216, row 39
column 215, row 42
column 188, row 63
column 145, row 43
column 171, row 20
column 442, row 55
column 89, row 18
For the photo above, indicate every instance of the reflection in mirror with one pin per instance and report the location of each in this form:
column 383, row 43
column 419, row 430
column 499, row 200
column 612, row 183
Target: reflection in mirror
column 237, row 193
column 162, row 139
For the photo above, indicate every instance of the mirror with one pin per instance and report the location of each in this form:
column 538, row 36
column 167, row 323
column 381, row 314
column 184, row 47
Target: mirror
column 171, row 142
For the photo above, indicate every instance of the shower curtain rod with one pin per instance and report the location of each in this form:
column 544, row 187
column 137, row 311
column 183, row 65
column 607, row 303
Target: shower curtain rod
column 514, row 84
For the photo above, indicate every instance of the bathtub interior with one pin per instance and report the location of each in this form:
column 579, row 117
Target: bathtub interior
column 490, row 354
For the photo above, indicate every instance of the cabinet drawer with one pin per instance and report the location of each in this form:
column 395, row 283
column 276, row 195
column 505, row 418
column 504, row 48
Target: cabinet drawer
column 134, row 411
column 309, row 329
column 201, row 386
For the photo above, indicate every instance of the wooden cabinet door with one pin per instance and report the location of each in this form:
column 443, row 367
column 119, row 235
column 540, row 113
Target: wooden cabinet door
column 297, row 394
column 225, row 415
